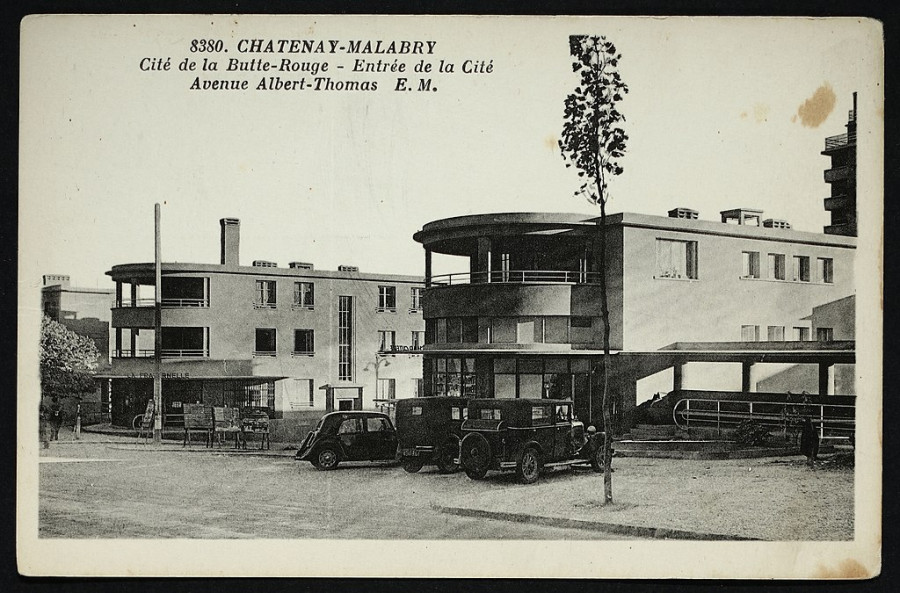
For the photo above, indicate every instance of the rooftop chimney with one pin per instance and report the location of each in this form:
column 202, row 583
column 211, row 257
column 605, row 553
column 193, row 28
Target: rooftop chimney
column 300, row 265
column 261, row 263
column 348, row 269
column 745, row 216
column 684, row 213
column 775, row 223
column 54, row 279
column 231, row 241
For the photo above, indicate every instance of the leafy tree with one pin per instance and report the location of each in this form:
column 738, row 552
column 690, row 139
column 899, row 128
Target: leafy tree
column 593, row 141
column 68, row 361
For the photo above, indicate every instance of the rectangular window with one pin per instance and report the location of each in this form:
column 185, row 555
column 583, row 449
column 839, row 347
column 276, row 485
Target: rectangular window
column 776, row 266
column 387, row 298
column 265, row 342
column 417, row 340
column 386, row 341
column 441, row 325
column 801, row 334
column 503, row 330
column 676, row 259
column 775, row 333
column 265, row 294
column 416, row 298
column 750, row 264
column 385, row 389
column 304, row 342
column 825, row 334
column 749, row 333
column 345, row 338
column 304, row 295
column 454, row 330
column 801, row 268
column 825, row 270
column 470, row 330
column 525, row 331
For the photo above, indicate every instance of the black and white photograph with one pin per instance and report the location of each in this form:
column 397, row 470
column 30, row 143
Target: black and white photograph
column 481, row 296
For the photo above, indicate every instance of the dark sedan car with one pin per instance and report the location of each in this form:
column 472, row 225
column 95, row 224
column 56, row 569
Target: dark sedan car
column 349, row 436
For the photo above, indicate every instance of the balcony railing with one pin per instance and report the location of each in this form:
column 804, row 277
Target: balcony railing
column 517, row 277
column 174, row 303
column 139, row 353
column 147, row 302
column 840, row 140
column 184, row 352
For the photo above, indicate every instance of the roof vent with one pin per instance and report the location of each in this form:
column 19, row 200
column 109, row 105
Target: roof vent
column 348, row 269
column 745, row 216
column 684, row 213
column 300, row 265
column 261, row 263
column 774, row 223
column 61, row 279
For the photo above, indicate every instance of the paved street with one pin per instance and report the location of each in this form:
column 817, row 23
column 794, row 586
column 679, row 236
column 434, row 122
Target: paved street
column 90, row 490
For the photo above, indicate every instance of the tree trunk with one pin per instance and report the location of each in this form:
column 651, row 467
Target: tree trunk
column 606, row 401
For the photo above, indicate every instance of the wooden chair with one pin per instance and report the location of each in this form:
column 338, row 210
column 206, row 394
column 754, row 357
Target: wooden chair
column 255, row 422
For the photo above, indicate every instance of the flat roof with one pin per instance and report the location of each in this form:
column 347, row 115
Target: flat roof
column 146, row 271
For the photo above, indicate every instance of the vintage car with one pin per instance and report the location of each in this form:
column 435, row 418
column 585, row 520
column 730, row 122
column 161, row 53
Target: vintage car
column 527, row 435
column 429, row 432
column 349, row 436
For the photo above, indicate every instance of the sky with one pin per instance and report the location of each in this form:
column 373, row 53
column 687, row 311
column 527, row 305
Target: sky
column 721, row 113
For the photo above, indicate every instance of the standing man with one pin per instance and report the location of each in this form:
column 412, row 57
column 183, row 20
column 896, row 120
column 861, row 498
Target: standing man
column 56, row 419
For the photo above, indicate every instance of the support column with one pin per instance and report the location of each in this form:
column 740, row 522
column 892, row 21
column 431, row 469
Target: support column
column 427, row 267
column 678, row 370
column 118, row 293
column 826, row 378
column 746, row 368
column 483, row 258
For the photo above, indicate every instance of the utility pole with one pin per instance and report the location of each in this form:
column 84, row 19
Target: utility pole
column 157, row 333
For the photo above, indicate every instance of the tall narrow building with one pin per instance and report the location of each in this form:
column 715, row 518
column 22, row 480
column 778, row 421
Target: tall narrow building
column 842, row 178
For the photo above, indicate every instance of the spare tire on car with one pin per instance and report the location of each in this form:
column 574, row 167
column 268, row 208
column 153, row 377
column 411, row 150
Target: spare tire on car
column 475, row 455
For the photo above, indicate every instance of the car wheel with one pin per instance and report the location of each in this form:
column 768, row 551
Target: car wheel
column 475, row 455
column 528, row 467
column 412, row 464
column 446, row 457
column 597, row 459
column 327, row 458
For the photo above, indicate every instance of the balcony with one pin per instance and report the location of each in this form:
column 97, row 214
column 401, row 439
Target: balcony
column 184, row 353
column 132, row 303
column 188, row 303
column 517, row 277
column 840, row 174
column 839, row 141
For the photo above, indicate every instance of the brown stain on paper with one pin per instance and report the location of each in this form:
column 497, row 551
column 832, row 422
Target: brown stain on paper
column 817, row 108
column 551, row 142
column 847, row 569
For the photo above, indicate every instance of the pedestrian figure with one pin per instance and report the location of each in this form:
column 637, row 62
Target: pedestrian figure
column 56, row 419
column 44, row 428
column 809, row 441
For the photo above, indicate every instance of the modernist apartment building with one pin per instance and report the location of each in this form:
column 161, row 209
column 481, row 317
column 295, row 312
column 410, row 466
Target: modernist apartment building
column 291, row 340
column 521, row 318
column 841, row 149
column 85, row 311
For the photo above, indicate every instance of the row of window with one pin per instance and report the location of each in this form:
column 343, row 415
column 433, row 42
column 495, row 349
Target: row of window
column 305, row 296
column 534, row 378
column 305, row 343
column 776, row 333
column 557, row 329
column 776, row 267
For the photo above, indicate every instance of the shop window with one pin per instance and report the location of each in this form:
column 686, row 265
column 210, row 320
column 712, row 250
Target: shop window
column 676, row 259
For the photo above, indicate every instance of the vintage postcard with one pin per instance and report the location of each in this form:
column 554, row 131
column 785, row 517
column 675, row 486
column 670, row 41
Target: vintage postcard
column 450, row 296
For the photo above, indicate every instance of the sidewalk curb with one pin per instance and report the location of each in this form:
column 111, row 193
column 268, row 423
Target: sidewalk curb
column 632, row 530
